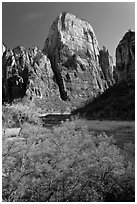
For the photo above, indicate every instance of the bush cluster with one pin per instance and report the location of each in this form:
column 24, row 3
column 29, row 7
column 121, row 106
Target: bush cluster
column 17, row 114
column 65, row 164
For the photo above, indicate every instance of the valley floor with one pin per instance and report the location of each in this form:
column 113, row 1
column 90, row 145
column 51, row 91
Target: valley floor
column 123, row 131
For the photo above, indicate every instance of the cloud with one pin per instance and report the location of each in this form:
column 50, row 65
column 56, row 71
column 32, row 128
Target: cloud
column 34, row 16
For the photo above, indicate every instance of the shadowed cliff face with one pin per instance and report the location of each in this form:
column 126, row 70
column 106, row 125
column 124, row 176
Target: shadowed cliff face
column 26, row 72
column 118, row 101
column 73, row 50
column 125, row 57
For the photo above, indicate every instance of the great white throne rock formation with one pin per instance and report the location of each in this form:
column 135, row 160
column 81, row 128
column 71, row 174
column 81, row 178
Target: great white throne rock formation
column 73, row 50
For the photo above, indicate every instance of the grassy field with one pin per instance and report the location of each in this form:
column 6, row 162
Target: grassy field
column 123, row 131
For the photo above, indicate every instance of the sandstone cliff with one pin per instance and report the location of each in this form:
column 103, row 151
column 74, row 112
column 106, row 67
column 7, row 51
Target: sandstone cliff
column 73, row 50
column 27, row 72
column 125, row 57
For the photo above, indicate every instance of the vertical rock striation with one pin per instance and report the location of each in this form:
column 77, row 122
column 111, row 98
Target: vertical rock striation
column 73, row 50
column 106, row 63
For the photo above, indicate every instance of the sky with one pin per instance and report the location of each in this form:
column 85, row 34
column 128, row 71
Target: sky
column 28, row 23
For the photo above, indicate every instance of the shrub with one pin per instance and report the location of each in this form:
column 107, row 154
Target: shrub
column 17, row 114
column 66, row 163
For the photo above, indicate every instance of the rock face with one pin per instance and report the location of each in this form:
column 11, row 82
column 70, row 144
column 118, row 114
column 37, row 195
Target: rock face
column 26, row 72
column 73, row 50
column 125, row 57
column 106, row 63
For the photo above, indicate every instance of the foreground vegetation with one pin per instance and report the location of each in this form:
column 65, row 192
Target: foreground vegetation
column 65, row 163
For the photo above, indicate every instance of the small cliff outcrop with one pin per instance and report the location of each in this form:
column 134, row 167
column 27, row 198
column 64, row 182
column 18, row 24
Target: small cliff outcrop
column 73, row 50
column 125, row 57
column 106, row 63
column 26, row 73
